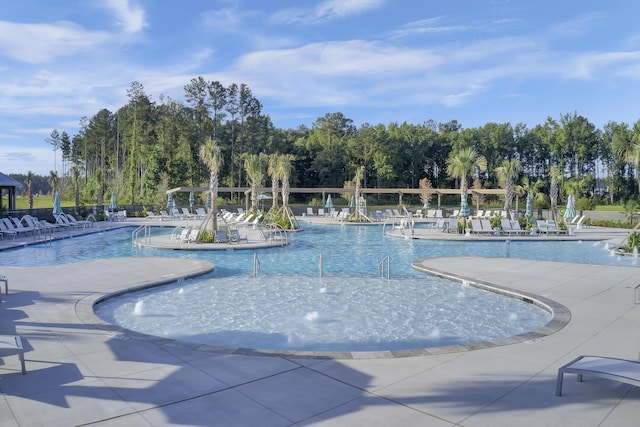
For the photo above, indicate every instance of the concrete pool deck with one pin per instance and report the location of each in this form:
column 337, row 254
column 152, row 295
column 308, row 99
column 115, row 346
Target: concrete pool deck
column 83, row 373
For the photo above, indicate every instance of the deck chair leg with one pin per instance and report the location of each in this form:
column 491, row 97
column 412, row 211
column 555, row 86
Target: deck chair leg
column 21, row 354
column 559, row 383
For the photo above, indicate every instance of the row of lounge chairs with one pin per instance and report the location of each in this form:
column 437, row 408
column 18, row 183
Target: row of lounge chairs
column 13, row 226
column 175, row 214
column 512, row 227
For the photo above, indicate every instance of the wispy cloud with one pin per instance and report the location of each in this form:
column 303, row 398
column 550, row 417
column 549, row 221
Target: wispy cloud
column 129, row 16
column 426, row 26
column 328, row 10
column 41, row 43
column 578, row 26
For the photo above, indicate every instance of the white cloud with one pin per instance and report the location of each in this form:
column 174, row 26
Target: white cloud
column 41, row 43
column 130, row 17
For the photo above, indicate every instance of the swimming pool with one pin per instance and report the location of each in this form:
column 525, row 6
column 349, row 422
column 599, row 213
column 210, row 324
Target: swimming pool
column 411, row 310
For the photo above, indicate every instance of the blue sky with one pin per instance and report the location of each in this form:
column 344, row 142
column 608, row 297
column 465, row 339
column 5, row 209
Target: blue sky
column 376, row 61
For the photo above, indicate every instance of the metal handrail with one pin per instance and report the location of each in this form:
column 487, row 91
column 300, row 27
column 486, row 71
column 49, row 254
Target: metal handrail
column 256, row 264
column 135, row 233
column 381, row 266
column 320, row 265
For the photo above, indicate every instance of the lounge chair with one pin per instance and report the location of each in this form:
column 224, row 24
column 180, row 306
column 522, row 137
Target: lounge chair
column 320, row 211
column 181, row 234
column 511, row 227
column 11, row 227
column 221, row 236
column 580, row 223
column 165, row 215
column 151, row 215
column 201, row 213
column 623, row 370
column 62, row 221
column 5, row 231
column 309, row 211
column 553, row 228
column 455, row 214
column 476, row 226
column 235, row 236
column 541, row 226
column 81, row 223
column 256, row 221
column 19, row 226
column 187, row 214
column 13, row 343
column 486, row 226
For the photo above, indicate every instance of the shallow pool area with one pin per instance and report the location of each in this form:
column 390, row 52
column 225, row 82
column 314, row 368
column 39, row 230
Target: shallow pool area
column 304, row 313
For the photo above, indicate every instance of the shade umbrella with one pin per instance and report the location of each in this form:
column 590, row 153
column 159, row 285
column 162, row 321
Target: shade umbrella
column 192, row 199
column 352, row 203
column 207, row 202
column 57, row 209
column 113, row 205
column 527, row 210
column 329, row 203
column 464, row 207
column 570, row 211
column 425, row 206
column 170, row 203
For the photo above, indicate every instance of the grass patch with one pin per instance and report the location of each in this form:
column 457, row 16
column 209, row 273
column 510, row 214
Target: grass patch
column 40, row 202
column 610, row 208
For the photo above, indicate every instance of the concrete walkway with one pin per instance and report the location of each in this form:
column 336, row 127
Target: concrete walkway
column 82, row 372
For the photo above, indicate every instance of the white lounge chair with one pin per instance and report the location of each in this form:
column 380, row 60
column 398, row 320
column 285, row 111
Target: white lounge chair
column 151, row 215
column 81, row 223
column 486, row 226
column 310, row 212
column 5, row 231
column 623, row 370
column 511, row 227
column 11, row 227
column 19, row 226
column 580, row 223
column 553, row 228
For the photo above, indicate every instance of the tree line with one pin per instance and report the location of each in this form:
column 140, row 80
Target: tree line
column 147, row 147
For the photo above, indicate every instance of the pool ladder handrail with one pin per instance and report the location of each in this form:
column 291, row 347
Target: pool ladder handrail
column 256, row 264
column 381, row 266
column 135, row 233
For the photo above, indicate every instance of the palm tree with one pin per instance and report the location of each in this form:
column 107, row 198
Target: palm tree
column 508, row 172
column 211, row 155
column 53, row 181
column 254, row 167
column 285, row 167
column 628, row 150
column 274, row 173
column 357, row 179
column 555, row 175
column 28, row 179
column 462, row 164
column 531, row 188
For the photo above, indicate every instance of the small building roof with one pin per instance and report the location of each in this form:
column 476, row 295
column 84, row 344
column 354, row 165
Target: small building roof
column 7, row 181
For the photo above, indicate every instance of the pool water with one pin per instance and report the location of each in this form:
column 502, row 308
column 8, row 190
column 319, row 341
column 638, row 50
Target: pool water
column 323, row 292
